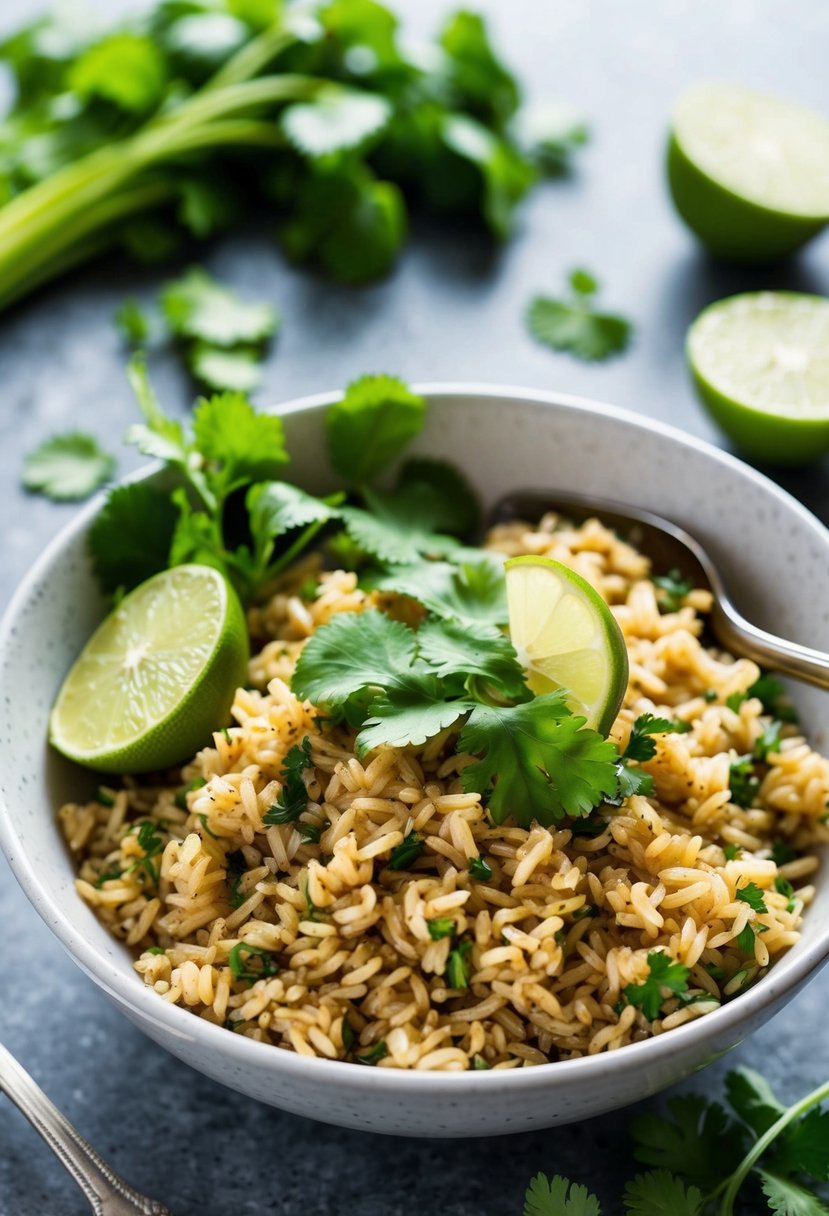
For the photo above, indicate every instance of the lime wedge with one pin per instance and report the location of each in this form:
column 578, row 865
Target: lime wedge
column 156, row 677
column 749, row 173
column 566, row 637
column 760, row 362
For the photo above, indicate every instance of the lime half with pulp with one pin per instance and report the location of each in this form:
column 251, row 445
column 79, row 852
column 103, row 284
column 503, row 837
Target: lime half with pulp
column 566, row 637
column 748, row 172
column 156, row 677
column 760, row 362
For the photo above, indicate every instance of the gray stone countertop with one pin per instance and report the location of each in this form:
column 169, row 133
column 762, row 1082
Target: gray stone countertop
column 451, row 311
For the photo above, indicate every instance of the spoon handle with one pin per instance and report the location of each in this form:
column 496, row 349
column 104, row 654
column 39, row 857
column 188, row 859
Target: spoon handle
column 107, row 1193
column 788, row 658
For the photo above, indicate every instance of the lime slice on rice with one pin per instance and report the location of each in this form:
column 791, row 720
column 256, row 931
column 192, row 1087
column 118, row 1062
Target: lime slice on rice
column 566, row 637
column 749, row 173
column 157, row 676
column 760, row 362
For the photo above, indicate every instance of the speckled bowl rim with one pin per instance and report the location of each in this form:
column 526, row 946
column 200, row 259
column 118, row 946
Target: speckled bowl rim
column 129, row 991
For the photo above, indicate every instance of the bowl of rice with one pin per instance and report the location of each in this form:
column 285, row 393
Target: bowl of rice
column 495, row 978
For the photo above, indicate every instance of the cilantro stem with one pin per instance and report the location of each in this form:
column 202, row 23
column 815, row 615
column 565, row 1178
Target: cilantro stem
column 794, row 1112
column 293, row 550
column 251, row 58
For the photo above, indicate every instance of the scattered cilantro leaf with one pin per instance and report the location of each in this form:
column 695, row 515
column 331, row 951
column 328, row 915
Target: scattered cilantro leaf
column 67, row 468
column 374, row 1054
column 132, row 323
column 631, row 781
column 293, row 797
column 640, row 744
column 698, row 1142
column 236, row 870
column 237, row 444
column 223, row 370
column 735, row 699
column 243, row 956
column 538, row 761
column 335, row 121
column 406, row 852
column 732, row 851
column 803, row 1147
column 368, row 429
column 160, row 436
column 440, row 927
column 480, row 868
column 789, row 1198
column 574, row 325
column 457, row 966
column 673, row 589
column 782, row 853
column 752, row 895
column 768, row 741
column 772, row 694
column 746, row 939
column 559, row 1197
column 663, row 973
column 130, row 537
column 658, row 1192
column 743, row 781
column 181, row 793
column 197, row 306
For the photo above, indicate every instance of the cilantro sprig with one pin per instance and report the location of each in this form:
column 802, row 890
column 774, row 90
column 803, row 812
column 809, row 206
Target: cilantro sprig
column 700, row 1157
column 665, row 975
column 575, row 325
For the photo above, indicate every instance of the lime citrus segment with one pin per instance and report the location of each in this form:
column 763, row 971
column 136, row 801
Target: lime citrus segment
column 157, row 676
column 566, row 637
column 760, row 362
column 749, row 172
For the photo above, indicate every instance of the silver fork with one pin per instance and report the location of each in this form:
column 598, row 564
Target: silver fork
column 108, row 1194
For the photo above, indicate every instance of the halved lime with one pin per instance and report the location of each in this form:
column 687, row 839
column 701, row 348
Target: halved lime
column 156, row 677
column 749, row 173
column 760, row 362
column 566, row 637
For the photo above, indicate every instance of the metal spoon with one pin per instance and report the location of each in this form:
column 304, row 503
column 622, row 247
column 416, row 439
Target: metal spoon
column 108, row 1194
column 670, row 547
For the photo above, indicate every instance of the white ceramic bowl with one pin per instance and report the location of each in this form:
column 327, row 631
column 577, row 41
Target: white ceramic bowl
column 774, row 555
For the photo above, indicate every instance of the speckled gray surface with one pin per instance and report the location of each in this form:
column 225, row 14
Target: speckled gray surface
column 452, row 311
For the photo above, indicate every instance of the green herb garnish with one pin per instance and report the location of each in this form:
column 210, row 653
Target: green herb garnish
column 575, row 325
column 663, row 974
column 67, row 468
column 457, row 967
column 673, row 589
column 480, row 868
column 440, row 926
column 293, row 798
column 241, row 958
column 406, row 853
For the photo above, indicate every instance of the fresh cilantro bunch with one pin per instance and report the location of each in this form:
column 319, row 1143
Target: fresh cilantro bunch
column 175, row 123
column 702, row 1157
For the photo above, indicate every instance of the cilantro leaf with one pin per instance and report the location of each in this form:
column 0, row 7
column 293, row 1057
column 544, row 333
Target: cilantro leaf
column 772, row 694
column 631, row 781
column 699, row 1142
column 457, row 967
column 505, row 173
column 236, row 370
column 768, row 741
column 336, row 120
column 663, row 973
column 161, row 437
column 472, row 591
column 67, row 467
column 368, row 429
column 293, row 797
column 393, row 538
column 640, row 744
column 559, row 1197
column 130, row 537
column 197, row 306
column 673, row 589
column 550, row 132
column 574, row 325
column 413, row 710
column 406, row 852
column 197, row 537
column 440, row 927
column 453, row 505
column 132, row 323
column 352, row 652
column 472, row 649
column 743, row 781
column 475, row 74
column 752, row 895
column 803, row 1147
column 658, row 1192
column 127, row 69
column 789, row 1198
column 538, row 761
column 238, row 445
column 276, row 507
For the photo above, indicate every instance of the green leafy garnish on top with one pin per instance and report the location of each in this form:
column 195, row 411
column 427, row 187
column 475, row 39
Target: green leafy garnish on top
column 67, row 467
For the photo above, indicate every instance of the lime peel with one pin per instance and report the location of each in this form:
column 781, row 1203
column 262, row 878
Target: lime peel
column 566, row 637
column 157, row 676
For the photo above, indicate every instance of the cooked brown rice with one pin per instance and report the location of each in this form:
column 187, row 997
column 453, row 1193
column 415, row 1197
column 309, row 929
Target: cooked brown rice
column 562, row 926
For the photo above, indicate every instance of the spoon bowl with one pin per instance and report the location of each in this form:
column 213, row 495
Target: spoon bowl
column 671, row 548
